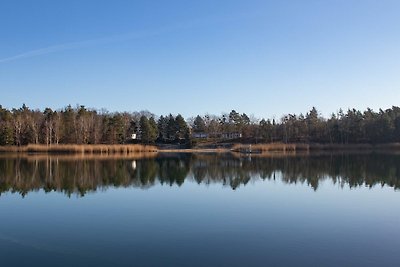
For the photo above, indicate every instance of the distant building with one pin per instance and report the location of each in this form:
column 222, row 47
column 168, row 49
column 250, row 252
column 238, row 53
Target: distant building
column 232, row 135
column 134, row 136
column 228, row 135
column 200, row 135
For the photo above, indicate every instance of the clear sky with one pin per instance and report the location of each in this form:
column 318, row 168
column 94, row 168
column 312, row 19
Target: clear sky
column 265, row 58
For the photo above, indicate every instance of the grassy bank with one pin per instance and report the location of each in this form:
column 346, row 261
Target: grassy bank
column 82, row 149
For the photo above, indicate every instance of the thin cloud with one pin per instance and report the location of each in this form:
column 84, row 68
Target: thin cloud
column 85, row 43
column 124, row 37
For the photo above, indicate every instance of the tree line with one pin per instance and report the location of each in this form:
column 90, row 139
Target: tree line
column 81, row 125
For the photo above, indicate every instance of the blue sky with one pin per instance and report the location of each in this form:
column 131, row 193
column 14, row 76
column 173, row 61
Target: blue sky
column 265, row 58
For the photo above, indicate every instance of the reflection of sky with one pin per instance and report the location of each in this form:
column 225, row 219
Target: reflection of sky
column 263, row 222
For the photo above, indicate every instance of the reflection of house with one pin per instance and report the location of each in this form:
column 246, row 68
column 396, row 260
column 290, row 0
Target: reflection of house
column 232, row 135
column 200, row 135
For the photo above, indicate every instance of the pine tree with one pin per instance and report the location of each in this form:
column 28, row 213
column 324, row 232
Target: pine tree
column 199, row 125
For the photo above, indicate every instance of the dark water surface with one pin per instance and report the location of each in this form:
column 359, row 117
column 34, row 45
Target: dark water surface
column 200, row 210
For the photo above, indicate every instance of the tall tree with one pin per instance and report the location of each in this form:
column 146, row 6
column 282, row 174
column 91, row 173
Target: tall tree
column 148, row 130
column 199, row 125
column 6, row 127
column 182, row 128
column 162, row 126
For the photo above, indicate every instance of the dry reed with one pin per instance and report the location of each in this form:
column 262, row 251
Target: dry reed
column 82, row 149
column 273, row 147
column 281, row 147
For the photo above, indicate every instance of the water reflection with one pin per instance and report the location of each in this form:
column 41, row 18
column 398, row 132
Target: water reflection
column 71, row 176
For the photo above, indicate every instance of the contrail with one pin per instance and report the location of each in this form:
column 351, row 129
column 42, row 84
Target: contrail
column 88, row 43
column 104, row 40
column 123, row 37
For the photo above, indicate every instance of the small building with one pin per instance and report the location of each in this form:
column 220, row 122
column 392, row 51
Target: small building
column 231, row 135
column 134, row 136
column 201, row 135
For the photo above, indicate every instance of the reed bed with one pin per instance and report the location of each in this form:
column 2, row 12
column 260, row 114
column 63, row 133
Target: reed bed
column 289, row 148
column 273, row 147
column 81, row 149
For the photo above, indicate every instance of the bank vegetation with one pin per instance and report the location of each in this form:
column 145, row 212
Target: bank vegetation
column 98, row 131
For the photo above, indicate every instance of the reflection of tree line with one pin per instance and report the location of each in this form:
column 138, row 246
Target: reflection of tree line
column 23, row 175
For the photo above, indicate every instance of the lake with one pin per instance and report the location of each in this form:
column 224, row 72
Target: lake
column 200, row 210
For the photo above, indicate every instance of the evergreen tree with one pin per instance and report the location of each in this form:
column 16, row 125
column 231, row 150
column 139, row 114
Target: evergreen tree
column 153, row 130
column 199, row 125
column 6, row 128
column 162, row 126
column 182, row 128
column 148, row 130
column 172, row 128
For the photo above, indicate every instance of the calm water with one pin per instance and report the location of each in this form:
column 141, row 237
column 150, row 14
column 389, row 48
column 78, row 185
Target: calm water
column 200, row 210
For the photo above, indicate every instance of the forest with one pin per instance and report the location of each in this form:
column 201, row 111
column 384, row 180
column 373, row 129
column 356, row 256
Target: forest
column 81, row 125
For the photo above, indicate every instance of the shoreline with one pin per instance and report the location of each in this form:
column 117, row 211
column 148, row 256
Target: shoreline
column 235, row 148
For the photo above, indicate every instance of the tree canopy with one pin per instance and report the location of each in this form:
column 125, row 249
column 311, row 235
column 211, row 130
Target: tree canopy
column 81, row 125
